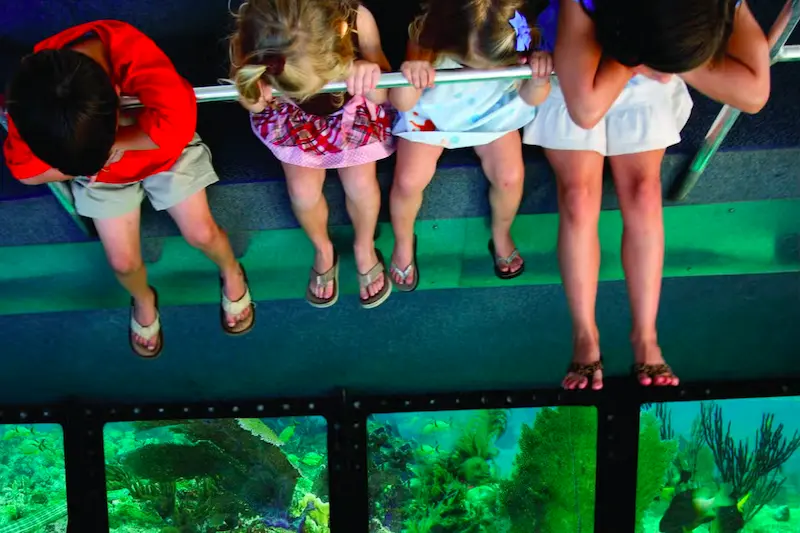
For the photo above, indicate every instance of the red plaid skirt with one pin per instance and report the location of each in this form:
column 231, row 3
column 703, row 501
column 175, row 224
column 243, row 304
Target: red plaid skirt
column 359, row 133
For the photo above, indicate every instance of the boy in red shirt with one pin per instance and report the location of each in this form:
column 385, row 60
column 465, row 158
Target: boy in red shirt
column 65, row 124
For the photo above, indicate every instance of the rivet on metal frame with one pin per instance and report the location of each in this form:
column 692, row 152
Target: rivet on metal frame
column 286, row 407
column 311, row 406
column 356, row 405
column 23, row 415
column 259, row 408
column 211, row 409
column 235, row 409
column 136, row 411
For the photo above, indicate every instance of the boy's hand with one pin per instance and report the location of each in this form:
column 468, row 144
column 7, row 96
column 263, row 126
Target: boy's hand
column 541, row 64
column 364, row 77
column 420, row 74
column 263, row 101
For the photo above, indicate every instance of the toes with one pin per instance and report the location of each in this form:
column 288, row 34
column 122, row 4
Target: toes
column 327, row 291
column 645, row 380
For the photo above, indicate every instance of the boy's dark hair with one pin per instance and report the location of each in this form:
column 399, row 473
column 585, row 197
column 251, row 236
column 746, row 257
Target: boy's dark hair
column 64, row 106
column 670, row 36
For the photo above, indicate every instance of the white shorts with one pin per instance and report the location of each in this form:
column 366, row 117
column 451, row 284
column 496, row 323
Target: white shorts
column 648, row 115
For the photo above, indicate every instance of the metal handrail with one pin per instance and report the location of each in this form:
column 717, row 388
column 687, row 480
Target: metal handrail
column 227, row 92
column 779, row 52
column 778, row 35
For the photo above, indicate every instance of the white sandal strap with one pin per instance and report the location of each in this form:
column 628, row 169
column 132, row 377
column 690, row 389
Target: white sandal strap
column 146, row 332
column 236, row 308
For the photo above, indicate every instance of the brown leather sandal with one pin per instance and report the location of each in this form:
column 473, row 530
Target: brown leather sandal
column 585, row 371
column 661, row 370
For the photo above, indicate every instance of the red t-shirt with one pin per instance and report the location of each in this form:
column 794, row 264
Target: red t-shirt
column 139, row 68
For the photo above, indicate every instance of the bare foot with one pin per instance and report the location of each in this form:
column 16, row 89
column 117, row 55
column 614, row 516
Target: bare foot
column 650, row 366
column 144, row 312
column 403, row 259
column 366, row 259
column 323, row 262
column 585, row 365
column 235, row 288
column 504, row 247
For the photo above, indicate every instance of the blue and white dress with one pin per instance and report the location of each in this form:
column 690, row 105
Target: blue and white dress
column 647, row 115
column 460, row 115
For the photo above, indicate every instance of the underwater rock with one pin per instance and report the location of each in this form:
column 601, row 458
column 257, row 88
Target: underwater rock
column 782, row 514
column 169, row 462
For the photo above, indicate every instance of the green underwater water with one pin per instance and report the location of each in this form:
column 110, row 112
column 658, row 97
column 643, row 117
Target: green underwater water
column 726, row 466
column 203, row 476
column 483, row 471
column 33, row 490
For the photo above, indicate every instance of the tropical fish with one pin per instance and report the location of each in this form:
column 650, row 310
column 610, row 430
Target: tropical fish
column 689, row 510
column 32, row 447
column 17, row 432
column 435, row 426
column 286, row 434
column 427, row 449
column 667, row 493
column 312, row 459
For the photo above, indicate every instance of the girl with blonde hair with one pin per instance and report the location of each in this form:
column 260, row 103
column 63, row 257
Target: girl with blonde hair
column 454, row 34
column 297, row 47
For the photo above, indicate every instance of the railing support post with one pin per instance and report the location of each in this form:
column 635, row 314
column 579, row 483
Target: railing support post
column 781, row 30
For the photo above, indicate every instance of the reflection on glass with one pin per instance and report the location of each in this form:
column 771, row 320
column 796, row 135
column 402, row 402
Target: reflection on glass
column 719, row 467
column 202, row 476
column 32, row 479
column 483, row 471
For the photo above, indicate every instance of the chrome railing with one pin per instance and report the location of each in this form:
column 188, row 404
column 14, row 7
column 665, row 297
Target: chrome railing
column 779, row 52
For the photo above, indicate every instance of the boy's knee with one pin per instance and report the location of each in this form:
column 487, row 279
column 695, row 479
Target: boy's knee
column 202, row 234
column 125, row 264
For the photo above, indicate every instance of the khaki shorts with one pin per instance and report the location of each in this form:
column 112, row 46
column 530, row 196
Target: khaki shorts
column 191, row 173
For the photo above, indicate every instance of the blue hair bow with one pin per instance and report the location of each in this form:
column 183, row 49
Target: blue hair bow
column 520, row 25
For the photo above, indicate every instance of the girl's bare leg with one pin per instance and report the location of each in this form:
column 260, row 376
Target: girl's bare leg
column 363, row 205
column 416, row 165
column 502, row 163
column 579, row 176
column 638, row 182
column 311, row 209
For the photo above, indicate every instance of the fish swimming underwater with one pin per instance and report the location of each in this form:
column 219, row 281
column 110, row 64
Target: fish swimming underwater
column 692, row 508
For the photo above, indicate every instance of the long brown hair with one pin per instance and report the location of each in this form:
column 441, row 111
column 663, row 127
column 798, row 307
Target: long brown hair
column 670, row 36
column 296, row 46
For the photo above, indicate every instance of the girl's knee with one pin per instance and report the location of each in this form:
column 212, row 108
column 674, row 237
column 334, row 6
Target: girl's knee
column 579, row 202
column 508, row 177
column 411, row 180
column 642, row 194
column 202, row 234
column 304, row 194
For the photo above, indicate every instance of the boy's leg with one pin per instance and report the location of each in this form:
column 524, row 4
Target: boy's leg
column 414, row 170
column 181, row 191
column 116, row 212
column 122, row 243
column 502, row 163
column 637, row 178
column 311, row 209
column 579, row 176
column 363, row 205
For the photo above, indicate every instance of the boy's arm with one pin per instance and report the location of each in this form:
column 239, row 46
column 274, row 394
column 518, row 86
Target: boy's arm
column 48, row 176
column 741, row 79
column 590, row 82
column 24, row 166
column 369, row 44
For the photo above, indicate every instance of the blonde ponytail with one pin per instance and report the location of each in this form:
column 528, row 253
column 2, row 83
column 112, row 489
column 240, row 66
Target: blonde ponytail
column 246, row 81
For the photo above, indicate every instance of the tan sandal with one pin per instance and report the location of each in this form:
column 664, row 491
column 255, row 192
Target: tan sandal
column 229, row 308
column 146, row 332
column 320, row 280
column 585, row 371
column 367, row 279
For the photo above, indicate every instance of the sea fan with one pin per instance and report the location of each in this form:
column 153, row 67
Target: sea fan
column 260, row 430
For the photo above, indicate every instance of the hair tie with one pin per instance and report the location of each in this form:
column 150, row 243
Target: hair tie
column 274, row 64
column 523, row 31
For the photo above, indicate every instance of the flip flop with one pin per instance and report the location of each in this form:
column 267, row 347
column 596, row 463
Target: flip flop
column 365, row 280
column 506, row 261
column 405, row 273
column 146, row 332
column 228, row 307
column 320, row 280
